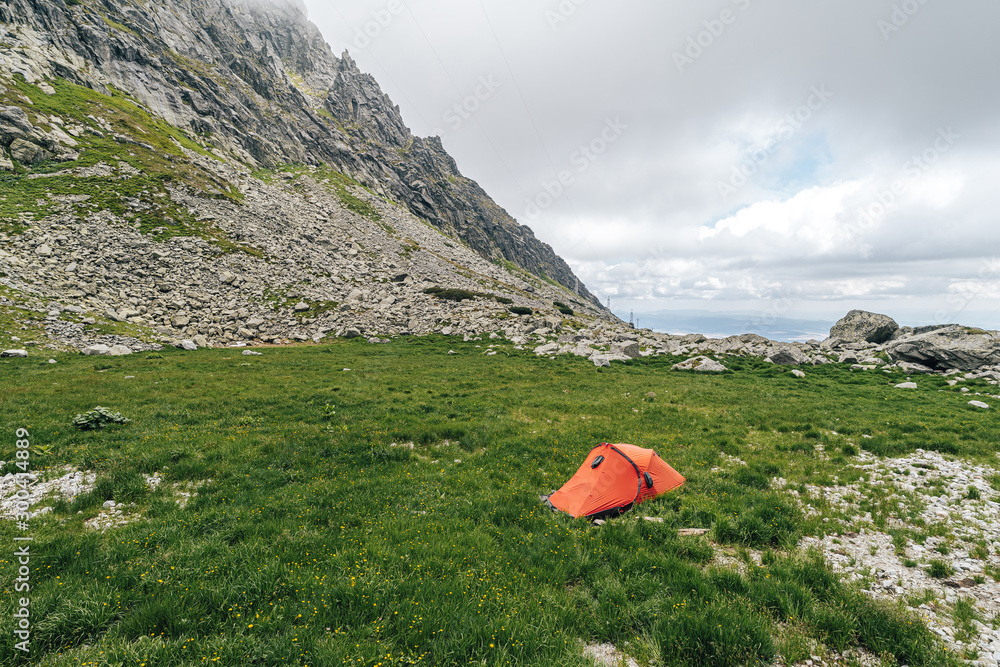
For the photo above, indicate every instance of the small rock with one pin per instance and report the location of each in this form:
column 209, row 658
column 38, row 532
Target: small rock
column 979, row 404
column 251, row 353
column 301, row 306
column 797, row 373
column 43, row 251
column 906, row 385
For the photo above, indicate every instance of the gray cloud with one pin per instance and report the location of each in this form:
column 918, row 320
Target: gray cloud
column 658, row 217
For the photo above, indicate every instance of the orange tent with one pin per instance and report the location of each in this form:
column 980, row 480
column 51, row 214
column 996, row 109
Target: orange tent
column 612, row 479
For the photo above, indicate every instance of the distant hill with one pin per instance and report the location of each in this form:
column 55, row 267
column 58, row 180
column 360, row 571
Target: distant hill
column 720, row 325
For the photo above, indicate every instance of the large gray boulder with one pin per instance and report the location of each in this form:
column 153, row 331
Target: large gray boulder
column 626, row 349
column 860, row 326
column 789, row 356
column 26, row 152
column 700, row 365
column 946, row 347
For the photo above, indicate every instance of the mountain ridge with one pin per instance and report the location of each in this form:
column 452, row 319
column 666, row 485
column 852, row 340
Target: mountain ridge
column 256, row 81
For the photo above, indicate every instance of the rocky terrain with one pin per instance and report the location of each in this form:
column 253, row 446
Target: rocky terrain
column 955, row 558
column 319, row 269
column 138, row 143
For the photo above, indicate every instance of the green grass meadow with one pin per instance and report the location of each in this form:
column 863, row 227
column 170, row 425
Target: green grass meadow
column 312, row 540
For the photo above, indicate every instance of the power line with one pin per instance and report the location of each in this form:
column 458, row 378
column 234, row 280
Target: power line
column 458, row 91
column 534, row 125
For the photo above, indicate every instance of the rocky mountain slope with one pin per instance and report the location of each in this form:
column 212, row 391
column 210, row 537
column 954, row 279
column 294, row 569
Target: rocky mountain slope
column 131, row 131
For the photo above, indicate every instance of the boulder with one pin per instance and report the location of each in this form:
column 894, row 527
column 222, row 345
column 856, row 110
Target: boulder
column 186, row 345
column 797, row 373
column 979, row 404
column 351, row 332
column 119, row 350
column 96, row 349
column 860, row 326
column 848, row 358
column 627, row 349
column 251, row 353
column 700, row 365
column 551, row 348
column 28, row 153
column 951, row 346
column 909, row 368
column 789, row 356
column 14, row 353
column 301, row 307
column 5, row 163
column 906, row 385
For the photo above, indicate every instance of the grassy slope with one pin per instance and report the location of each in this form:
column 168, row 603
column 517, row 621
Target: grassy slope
column 316, row 542
column 155, row 152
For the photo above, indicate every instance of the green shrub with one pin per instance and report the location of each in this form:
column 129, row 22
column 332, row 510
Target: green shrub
column 562, row 308
column 768, row 521
column 97, row 418
column 521, row 310
column 451, row 294
column 751, row 477
column 939, row 569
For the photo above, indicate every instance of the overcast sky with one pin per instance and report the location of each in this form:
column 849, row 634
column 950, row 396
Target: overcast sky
column 793, row 158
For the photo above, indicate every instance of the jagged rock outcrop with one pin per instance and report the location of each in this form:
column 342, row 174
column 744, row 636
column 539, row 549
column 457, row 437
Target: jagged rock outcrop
column 860, row 326
column 255, row 81
column 947, row 347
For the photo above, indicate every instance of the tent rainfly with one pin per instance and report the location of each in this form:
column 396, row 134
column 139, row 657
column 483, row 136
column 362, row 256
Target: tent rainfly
column 612, row 480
